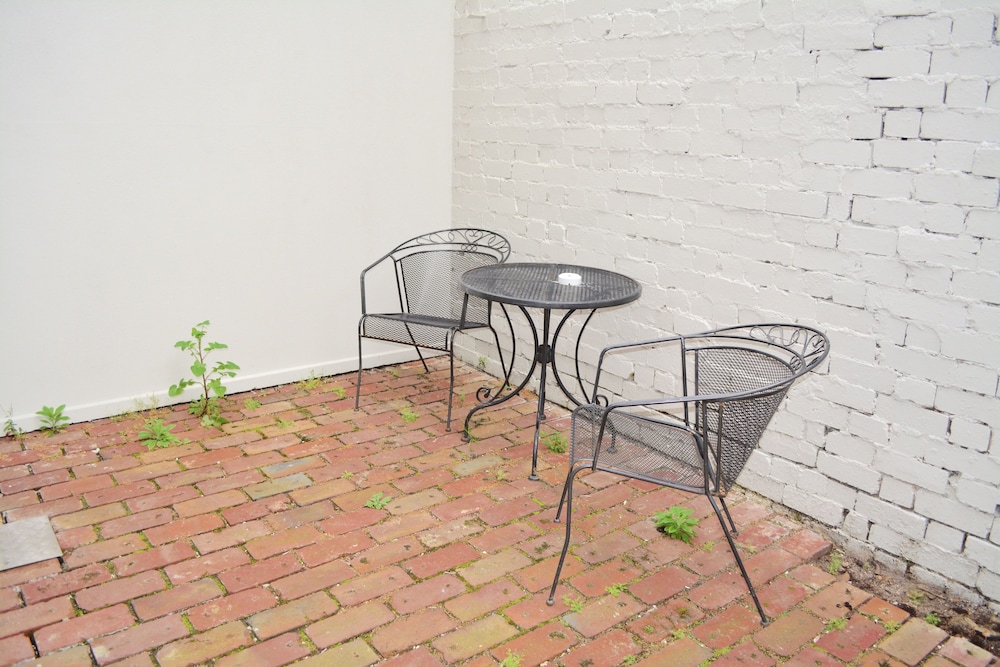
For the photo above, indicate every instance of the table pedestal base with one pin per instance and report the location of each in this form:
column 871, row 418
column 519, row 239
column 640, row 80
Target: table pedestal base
column 543, row 359
column 548, row 287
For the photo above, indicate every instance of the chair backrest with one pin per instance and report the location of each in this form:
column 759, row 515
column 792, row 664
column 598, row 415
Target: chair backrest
column 744, row 373
column 428, row 268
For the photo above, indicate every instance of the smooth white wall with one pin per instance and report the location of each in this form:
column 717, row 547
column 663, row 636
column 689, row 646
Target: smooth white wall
column 163, row 163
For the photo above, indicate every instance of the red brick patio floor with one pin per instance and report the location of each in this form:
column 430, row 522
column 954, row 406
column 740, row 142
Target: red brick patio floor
column 253, row 546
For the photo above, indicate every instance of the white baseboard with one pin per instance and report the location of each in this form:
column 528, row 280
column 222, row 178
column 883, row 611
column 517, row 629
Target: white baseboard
column 100, row 409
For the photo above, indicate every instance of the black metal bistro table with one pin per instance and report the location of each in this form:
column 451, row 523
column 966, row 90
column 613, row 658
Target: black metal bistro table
column 547, row 287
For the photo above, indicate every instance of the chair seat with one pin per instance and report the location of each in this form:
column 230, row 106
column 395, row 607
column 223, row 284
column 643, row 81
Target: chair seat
column 425, row 330
column 638, row 446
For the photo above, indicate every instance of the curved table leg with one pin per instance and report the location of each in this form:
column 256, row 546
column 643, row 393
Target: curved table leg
column 545, row 356
column 484, row 393
column 576, row 357
column 501, row 397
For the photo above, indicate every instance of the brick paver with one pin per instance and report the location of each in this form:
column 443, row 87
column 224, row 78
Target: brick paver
column 137, row 639
column 252, row 545
column 231, row 607
column 914, row 641
column 350, row 622
column 198, row 649
column 281, row 650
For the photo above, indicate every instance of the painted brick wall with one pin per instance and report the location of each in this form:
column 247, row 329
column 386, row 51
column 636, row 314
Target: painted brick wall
column 831, row 163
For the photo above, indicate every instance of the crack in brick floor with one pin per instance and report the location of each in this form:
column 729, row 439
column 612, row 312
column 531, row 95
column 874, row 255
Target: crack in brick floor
column 259, row 544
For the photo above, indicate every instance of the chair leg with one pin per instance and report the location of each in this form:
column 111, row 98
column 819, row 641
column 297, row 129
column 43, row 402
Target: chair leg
column 357, row 388
column 413, row 342
column 562, row 501
column 725, row 508
column 451, row 383
column 736, row 555
column 513, row 352
column 567, row 496
column 419, row 354
column 503, row 367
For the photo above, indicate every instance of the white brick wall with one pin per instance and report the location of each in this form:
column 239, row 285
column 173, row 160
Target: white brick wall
column 837, row 164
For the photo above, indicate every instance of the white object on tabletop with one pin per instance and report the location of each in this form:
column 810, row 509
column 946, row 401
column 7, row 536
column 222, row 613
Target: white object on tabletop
column 570, row 279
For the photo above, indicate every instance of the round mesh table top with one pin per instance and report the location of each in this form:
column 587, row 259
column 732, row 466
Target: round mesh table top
column 537, row 285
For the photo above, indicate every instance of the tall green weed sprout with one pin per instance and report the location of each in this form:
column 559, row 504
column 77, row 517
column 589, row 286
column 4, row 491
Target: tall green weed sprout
column 209, row 380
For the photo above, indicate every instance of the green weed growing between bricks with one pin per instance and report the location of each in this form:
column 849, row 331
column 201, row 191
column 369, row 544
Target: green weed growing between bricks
column 555, row 442
column 138, row 405
column 836, row 561
column 512, row 660
column 836, row 624
column 311, row 382
column 210, row 381
column 378, row 501
column 155, row 434
column 676, row 522
column 9, row 427
column 53, row 420
column 614, row 590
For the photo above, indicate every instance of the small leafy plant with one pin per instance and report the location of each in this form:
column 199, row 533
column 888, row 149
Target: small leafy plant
column 836, row 624
column 210, row 381
column 155, row 434
column 378, row 501
column 409, row 415
column 555, row 442
column 512, row 660
column 53, row 420
column 339, row 392
column 836, row 561
column 310, row 382
column 676, row 522
column 933, row 618
column 614, row 590
column 9, row 427
column 575, row 604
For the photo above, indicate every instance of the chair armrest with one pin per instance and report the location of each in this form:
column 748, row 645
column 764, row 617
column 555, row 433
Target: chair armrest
column 653, row 403
column 625, row 347
column 364, row 271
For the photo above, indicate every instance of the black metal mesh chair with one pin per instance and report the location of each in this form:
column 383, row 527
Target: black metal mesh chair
column 729, row 382
column 427, row 269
